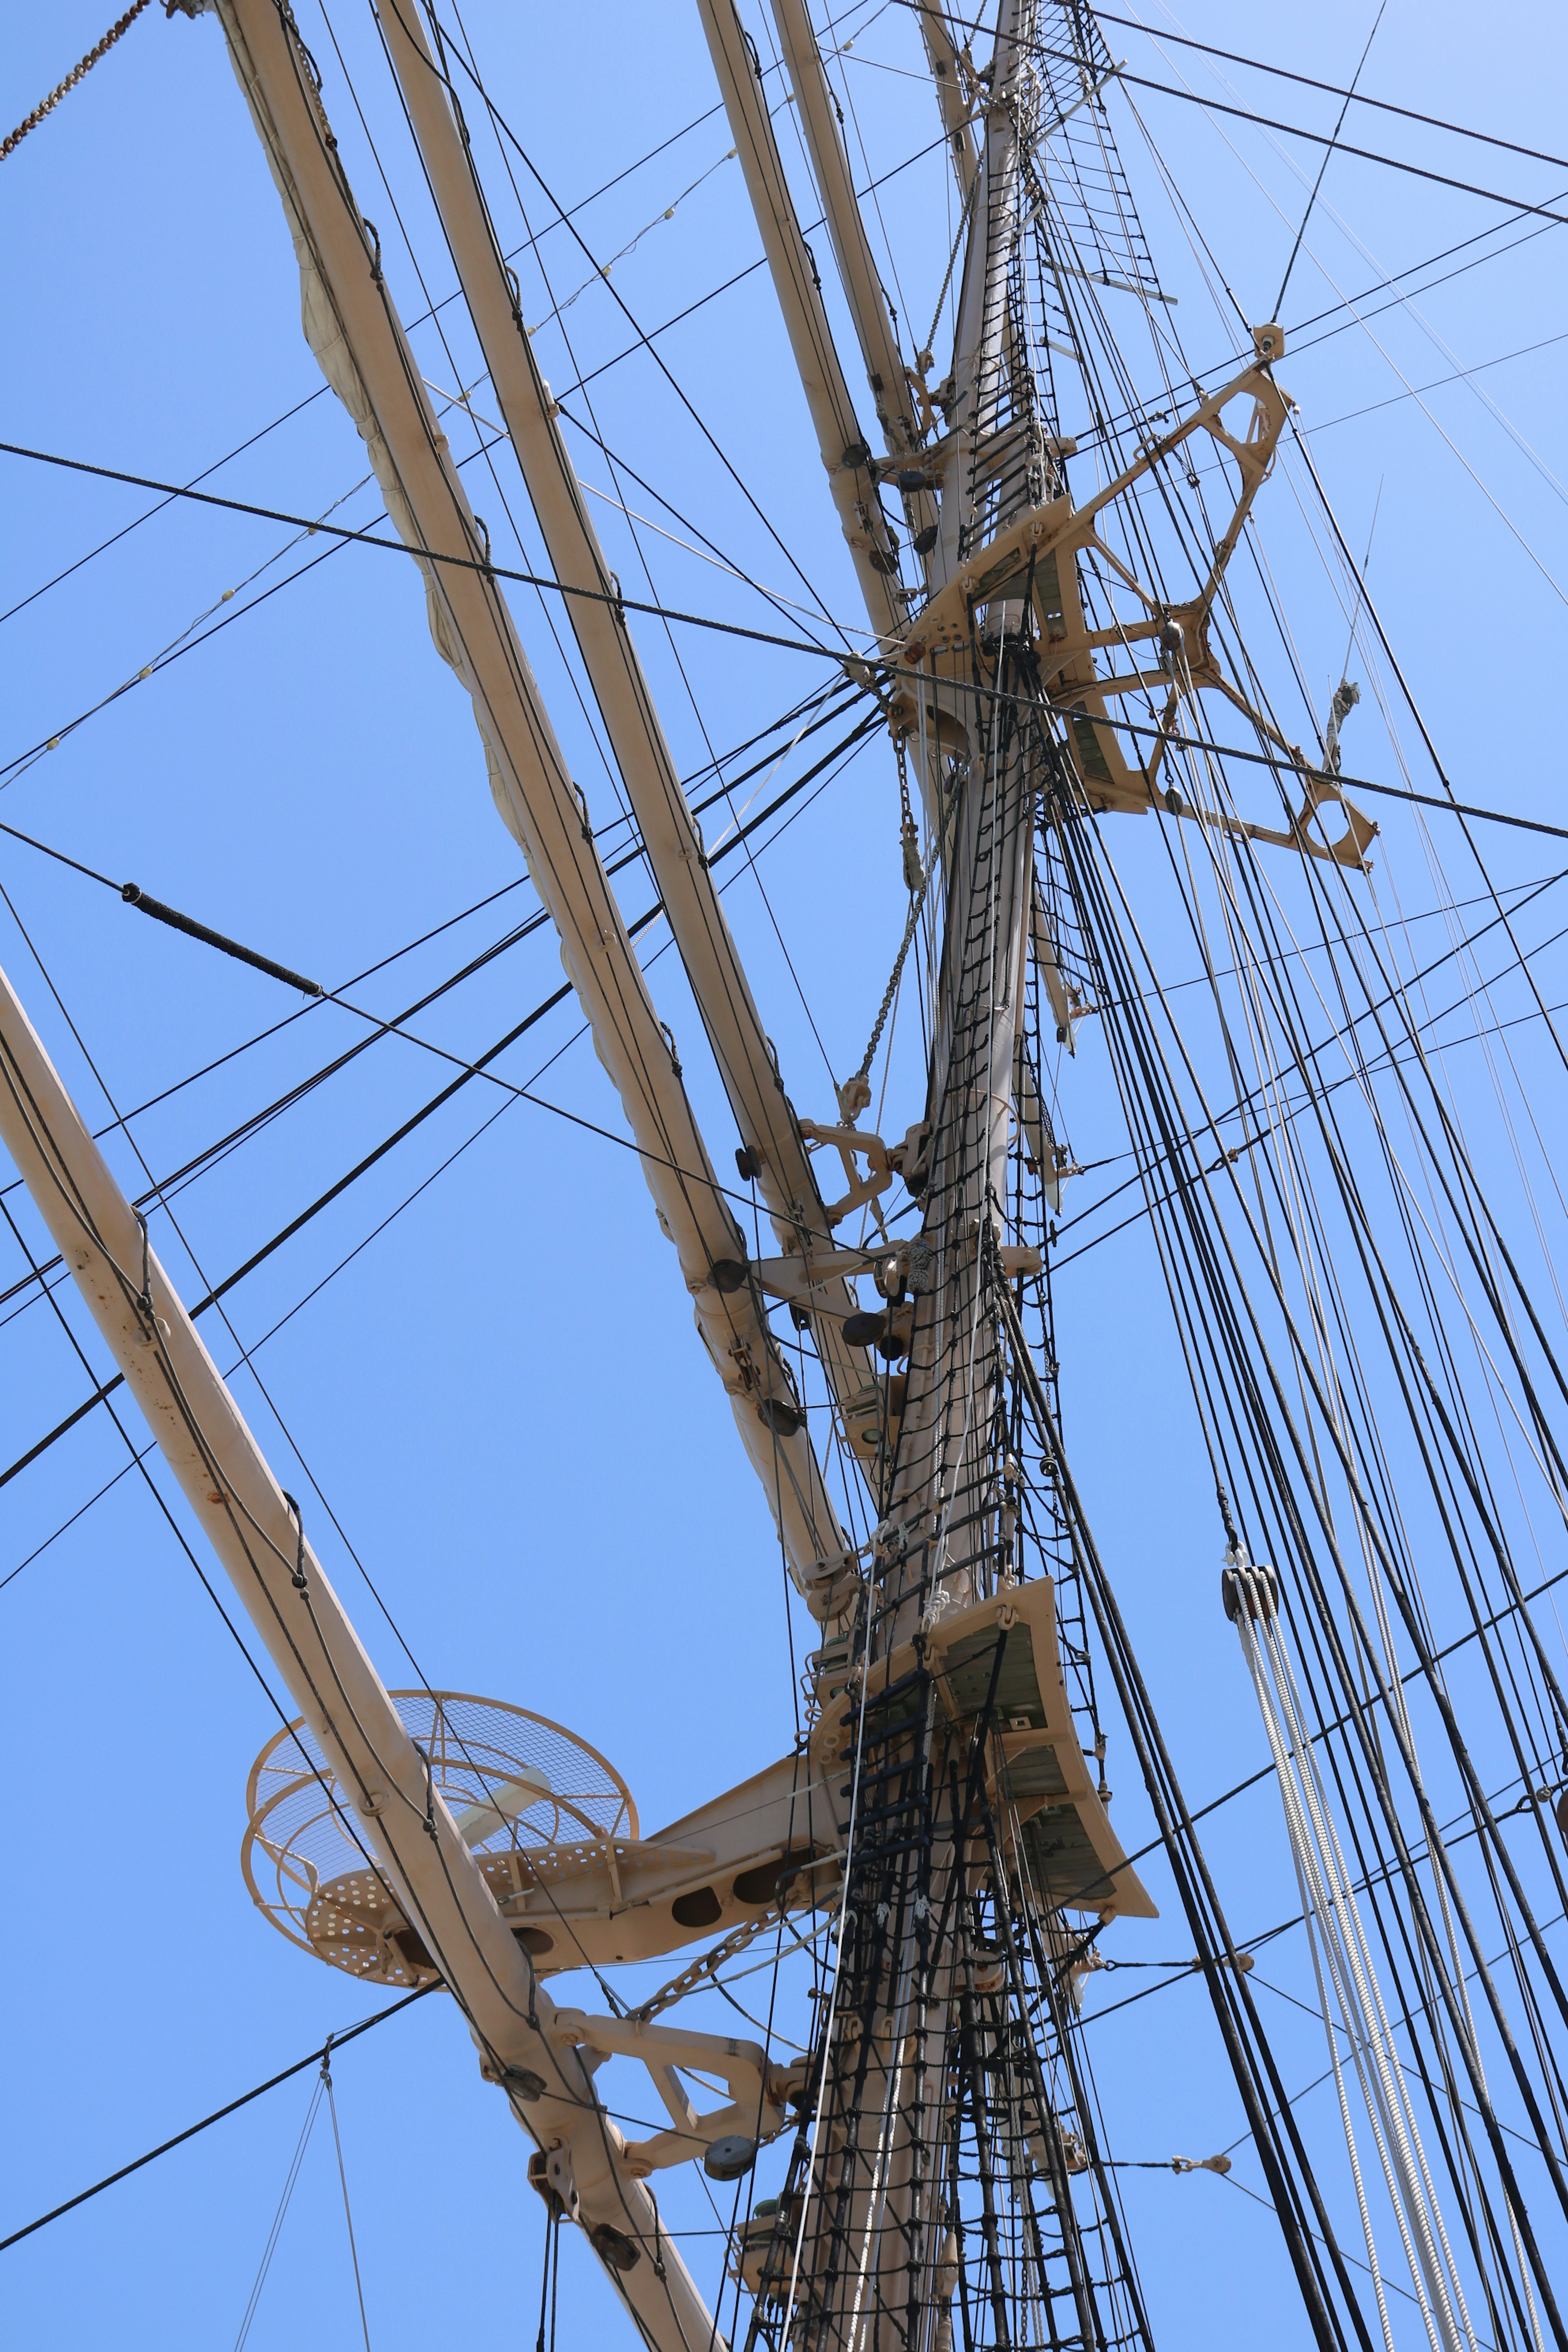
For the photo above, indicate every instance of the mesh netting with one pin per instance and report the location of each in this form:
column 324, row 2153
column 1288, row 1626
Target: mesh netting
column 516, row 1783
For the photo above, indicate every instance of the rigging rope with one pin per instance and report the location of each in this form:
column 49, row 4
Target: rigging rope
column 217, row 2115
column 1203, row 1261
column 468, row 1070
column 1317, row 137
column 343, row 2179
column 1338, row 1943
column 430, row 555
column 1382, row 105
column 284, row 2203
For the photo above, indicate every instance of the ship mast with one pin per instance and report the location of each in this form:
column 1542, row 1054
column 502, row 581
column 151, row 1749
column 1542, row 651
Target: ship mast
column 944, row 1814
column 926, row 2039
column 945, row 2052
column 936, row 2036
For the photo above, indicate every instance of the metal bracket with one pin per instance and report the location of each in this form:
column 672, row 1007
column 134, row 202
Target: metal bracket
column 756, row 2088
column 849, row 1141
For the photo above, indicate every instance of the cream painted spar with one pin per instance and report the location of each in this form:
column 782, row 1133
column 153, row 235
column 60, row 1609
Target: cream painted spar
column 353, row 327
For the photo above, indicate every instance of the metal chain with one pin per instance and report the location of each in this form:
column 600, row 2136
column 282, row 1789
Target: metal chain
column 908, row 832
column 71, row 79
column 952, row 263
column 917, row 901
column 690, row 1978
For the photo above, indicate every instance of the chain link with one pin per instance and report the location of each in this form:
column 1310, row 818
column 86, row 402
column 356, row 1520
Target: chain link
column 48, row 105
column 918, row 889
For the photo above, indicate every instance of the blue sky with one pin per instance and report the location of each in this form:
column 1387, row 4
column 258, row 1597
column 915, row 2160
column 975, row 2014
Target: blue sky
column 499, row 1403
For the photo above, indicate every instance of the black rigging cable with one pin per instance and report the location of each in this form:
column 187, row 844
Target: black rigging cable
column 1317, row 137
column 1311, row 200
column 466, row 1071
column 1516, row 205
column 828, row 712
column 1240, row 1370
column 428, row 555
column 1299, row 767
column 1333, row 90
column 312, row 2058
column 115, row 537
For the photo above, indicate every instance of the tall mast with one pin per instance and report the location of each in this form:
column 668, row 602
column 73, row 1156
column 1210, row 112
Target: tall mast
column 948, row 2024
column 874, row 2203
column 945, row 1810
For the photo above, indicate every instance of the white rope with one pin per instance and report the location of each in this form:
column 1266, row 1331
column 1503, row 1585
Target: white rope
column 1339, row 1945
column 1428, row 2213
column 1281, row 1767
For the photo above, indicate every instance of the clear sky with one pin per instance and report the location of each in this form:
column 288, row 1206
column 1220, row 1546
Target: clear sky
column 499, row 1402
